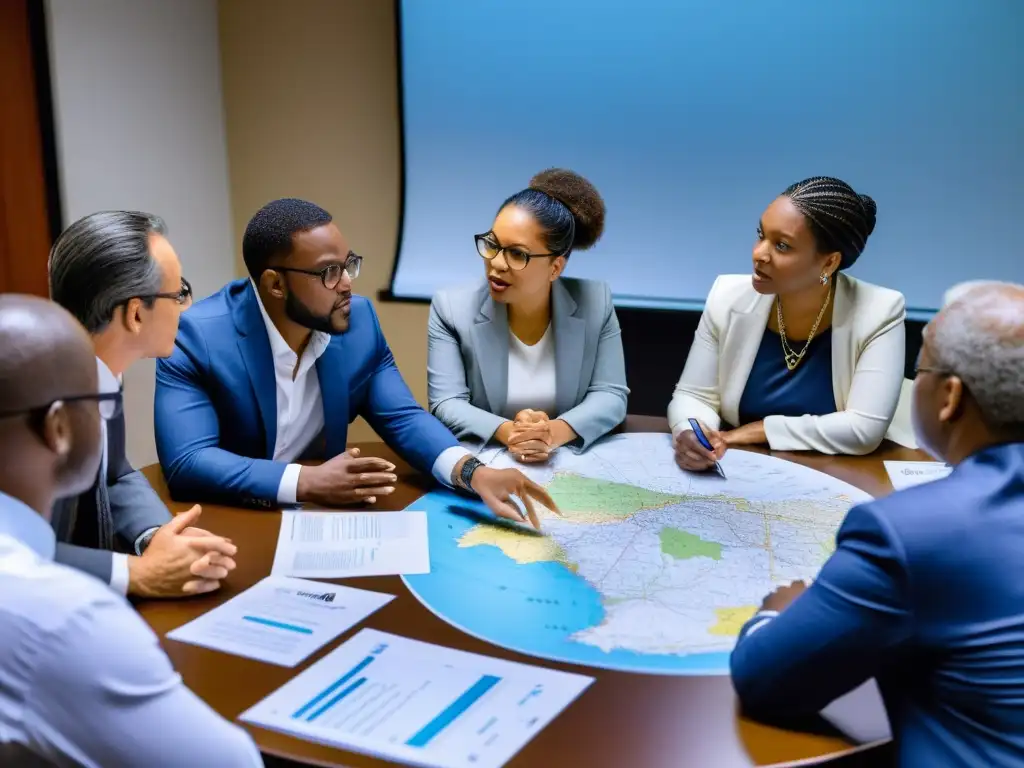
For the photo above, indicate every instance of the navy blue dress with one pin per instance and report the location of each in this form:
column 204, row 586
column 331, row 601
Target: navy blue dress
column 774, row 390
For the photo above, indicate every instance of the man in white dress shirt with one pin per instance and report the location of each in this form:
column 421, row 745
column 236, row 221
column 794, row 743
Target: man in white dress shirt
column 116, row 272
column 83, row 680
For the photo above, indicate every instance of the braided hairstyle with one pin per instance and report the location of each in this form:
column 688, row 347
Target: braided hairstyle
column 839, row 218
column 568, row 208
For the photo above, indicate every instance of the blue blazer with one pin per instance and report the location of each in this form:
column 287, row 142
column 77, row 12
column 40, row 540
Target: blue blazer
column 925, row 593
column 216, row 400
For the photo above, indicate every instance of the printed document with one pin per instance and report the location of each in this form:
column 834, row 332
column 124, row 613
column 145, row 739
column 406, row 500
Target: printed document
column 337, row 545
column 412, row 702
column 281, row 620
column 904, row 474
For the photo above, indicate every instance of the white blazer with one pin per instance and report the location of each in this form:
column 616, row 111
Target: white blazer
column 868, row 358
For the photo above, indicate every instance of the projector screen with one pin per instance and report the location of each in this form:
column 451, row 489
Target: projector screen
column 690, row 116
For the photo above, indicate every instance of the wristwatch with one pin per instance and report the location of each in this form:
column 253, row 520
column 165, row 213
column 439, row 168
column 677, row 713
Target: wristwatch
column 143, row 541
column 471, row 465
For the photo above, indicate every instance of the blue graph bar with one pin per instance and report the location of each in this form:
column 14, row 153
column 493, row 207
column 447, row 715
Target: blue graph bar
column 279, row 625
column 456, row 708
column 332, row 687
column 336, row 699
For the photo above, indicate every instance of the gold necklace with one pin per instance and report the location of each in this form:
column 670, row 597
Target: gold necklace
column 793, row 358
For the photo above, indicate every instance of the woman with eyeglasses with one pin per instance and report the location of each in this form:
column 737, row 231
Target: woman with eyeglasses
column 795, row 355
column 529, row 358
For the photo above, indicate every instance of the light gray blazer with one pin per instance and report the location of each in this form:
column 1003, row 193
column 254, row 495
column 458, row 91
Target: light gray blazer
column 467, row 360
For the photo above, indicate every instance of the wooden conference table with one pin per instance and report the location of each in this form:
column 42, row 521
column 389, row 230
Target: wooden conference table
column 622, row 719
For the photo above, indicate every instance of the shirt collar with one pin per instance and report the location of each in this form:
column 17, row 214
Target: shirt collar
column 23, row 523
column 278, row 346
column 107, row 380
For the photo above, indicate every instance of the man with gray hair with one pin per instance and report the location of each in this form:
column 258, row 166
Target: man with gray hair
column 925, row 590
column 116, row 272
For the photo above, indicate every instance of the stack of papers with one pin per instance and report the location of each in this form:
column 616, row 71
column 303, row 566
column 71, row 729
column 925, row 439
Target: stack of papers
column 413, row 702
column 904, row 474
column 280, row 620
column 338, row 545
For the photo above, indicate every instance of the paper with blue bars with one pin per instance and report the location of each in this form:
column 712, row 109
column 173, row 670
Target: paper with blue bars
column 281, row 620
column 418, row 703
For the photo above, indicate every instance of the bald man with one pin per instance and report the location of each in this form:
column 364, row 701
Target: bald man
column 82, row 678
column 925, row 591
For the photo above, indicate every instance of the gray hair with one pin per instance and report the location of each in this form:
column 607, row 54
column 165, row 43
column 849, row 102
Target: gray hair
column 103, row 261
column 979, row 336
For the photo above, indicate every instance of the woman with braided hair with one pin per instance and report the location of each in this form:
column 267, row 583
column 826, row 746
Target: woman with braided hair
column 796, row 355
column 529, row 358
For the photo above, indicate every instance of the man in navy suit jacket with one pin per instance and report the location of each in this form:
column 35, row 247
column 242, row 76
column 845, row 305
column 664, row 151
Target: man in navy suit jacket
column 925, row 591
column 272, row 369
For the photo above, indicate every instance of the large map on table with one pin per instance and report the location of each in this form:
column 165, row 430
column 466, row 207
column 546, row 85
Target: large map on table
column 649, row 569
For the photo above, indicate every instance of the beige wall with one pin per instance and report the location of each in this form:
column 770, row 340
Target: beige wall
column 311, row 109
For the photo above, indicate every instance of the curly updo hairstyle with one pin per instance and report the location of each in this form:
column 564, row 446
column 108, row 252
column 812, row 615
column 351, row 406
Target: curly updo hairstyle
column 568, row 208
column 840, row 219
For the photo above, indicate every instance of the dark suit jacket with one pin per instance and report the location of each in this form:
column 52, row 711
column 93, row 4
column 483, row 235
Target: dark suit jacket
column 134, row 508
column 925, row 593
column 216, row 400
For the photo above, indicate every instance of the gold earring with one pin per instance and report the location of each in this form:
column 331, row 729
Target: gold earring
column 824, row 278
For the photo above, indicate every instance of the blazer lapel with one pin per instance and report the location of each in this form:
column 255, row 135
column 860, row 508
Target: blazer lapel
column 490, row 340
column 570, row 339
column 254, row 346
column 740, row 343
column 843, row 358
column 333, row 376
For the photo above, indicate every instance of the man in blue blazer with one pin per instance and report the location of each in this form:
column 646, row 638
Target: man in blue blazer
column 272, row 369
column 925, row 591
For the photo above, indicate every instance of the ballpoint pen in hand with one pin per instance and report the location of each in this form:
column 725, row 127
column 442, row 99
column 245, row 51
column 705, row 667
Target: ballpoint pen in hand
column 703, row 440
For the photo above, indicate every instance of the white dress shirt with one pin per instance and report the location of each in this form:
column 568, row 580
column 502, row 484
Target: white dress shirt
column 531, row 375
column 83, row 680
column 300, row 409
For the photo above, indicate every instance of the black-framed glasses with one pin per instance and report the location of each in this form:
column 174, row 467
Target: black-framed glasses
column 183, row 296
column 516, row 258
column 330, row 275
column 108, row 403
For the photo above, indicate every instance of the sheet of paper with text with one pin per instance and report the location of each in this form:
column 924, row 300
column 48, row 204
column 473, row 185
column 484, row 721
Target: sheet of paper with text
column 337, row 545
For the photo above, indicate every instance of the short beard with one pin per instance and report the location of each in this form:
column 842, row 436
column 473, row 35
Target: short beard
column 299, row 313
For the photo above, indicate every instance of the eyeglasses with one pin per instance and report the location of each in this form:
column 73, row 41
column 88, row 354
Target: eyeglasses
column 183, row 297
column 516, row 258
column 330, row 275
column 108, row 403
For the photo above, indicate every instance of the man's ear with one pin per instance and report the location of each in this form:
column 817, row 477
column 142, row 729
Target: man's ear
column 131, row 316
column 272, row 282
column 56, row 431
column 952, row 399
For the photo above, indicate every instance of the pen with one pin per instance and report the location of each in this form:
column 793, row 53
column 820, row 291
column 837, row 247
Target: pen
column 703, row 440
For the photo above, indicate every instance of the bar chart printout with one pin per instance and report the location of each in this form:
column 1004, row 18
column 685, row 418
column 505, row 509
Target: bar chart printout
column 281, row 620
column 417, row 703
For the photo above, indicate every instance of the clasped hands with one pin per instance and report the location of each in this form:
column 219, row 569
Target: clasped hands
column 531, row 437
column 181, row 560
column 693, row 456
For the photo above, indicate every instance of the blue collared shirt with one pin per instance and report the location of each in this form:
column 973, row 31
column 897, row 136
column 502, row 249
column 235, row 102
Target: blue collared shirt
column 83, row 680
